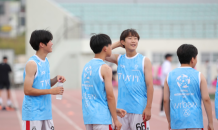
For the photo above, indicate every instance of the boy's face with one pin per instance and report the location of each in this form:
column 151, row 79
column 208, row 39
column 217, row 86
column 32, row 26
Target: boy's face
column 108, row 50
column 48, row 48
column 130, row 43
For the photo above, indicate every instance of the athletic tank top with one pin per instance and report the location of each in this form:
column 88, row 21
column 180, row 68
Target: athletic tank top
column 216, row 99
column 185, row 98
column 94, row 99
column 132, row 89
column 38, row 107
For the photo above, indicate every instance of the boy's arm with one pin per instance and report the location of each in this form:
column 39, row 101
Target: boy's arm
column 206, row 101
column 167, row 101
column 113, row 57
column 56, row 79
column 149, row 83
column 107, row 76
column 31, row 69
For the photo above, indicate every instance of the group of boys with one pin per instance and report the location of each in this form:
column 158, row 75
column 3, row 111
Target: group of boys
column 184, row 87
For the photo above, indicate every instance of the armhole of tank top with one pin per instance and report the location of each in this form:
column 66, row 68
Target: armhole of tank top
column 143, row 65
column 99, row 73
column 118, row 58
column 199, row 77
column 36, row 68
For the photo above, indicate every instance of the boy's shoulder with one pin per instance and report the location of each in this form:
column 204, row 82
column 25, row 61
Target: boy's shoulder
column 181, row 69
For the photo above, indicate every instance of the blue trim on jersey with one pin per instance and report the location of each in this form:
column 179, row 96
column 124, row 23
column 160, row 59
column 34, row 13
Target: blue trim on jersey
column 185, row 98
column 38, row 107
column 94, row 99
column 132, row 89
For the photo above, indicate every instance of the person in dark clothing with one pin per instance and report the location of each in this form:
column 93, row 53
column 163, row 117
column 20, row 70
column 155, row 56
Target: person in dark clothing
column 5, row 69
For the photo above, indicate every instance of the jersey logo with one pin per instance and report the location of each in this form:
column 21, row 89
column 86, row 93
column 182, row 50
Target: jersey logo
column 43, row 72
column 183, row 81
column 122, row 66
column 88, row 72
column 135, row 68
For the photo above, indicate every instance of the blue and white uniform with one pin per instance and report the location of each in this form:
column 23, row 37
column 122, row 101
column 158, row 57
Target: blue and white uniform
column 132, row 91
column 36, row 109
column 185, row 98
column 94, row 99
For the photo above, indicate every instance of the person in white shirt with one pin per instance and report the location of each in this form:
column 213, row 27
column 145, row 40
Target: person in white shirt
column 166, row 68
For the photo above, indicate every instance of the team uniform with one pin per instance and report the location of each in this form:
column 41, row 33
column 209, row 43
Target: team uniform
column 216, row 100
column 185, row 99
column 96, row 113
column 132, row 91
column 36, row 110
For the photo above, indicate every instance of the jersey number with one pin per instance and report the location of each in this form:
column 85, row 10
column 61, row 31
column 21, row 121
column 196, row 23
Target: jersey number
column 140, row 127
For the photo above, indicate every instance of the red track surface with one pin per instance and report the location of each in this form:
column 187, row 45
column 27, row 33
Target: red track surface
column 67, row 113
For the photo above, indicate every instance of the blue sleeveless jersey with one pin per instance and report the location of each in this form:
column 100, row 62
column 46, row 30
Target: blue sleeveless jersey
column 94, row 99
column 38, row 107
column 216, row 99
column 185, row 98
column 132, row 89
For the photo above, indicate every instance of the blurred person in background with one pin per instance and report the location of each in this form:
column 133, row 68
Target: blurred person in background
column 5, row 69
column 166, row 68
column 208, row 73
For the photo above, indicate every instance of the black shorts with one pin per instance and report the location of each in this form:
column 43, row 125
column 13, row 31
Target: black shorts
column 5, row 84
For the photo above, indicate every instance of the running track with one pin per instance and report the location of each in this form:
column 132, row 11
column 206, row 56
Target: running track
column 67, row 113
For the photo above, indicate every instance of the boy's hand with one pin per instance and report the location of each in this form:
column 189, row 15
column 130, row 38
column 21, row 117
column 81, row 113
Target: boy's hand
column 169, row 127
column 146, row 114
column 61, row 79
column 57, row 90
column 121, row 113
column 210, row 127
column 117, row 124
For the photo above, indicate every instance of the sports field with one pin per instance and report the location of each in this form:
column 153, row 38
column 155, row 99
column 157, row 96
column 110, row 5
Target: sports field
column 67, row 113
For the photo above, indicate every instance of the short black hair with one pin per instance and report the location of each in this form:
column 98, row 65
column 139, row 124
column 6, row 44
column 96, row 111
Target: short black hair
column 37, row 36
column 98, row 41
column 168, row 55
column 185, row 53
column 129, row 32
column 5, row 57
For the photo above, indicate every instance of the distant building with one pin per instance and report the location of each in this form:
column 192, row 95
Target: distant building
column 12, row 18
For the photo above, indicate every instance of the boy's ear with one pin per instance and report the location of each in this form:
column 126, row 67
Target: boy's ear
column 41, row 45
column 104, row 48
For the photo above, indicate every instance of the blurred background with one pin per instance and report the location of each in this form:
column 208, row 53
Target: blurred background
column 163, row 25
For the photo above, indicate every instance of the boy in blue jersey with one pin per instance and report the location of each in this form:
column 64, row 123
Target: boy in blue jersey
column 36, row 107
column 135, row 83
column 184, row 89
column 98, row 101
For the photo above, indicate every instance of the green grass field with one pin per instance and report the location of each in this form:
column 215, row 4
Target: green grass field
column 18, row 44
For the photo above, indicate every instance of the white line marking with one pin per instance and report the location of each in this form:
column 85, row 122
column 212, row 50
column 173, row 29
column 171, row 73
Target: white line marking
column 65, row 117
column 17, row 107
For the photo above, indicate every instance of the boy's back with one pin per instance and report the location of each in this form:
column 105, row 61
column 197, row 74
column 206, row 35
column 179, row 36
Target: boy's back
column 94, row 100
column 185, row 98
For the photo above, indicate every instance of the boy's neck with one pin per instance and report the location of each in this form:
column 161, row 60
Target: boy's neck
column 42, row 55
column 186, row 65
column 131, row 53
column 100, row 56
